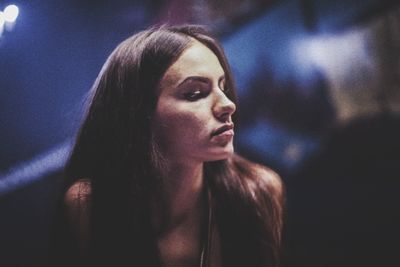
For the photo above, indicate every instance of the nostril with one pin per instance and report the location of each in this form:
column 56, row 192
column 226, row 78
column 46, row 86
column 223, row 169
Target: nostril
column 225, row 114
column 224, row 107
column 226, row 110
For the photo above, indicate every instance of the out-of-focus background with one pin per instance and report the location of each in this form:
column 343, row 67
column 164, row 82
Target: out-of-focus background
column 319, row 102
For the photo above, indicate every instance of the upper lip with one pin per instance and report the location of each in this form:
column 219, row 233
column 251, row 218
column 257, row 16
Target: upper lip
column 226, row 127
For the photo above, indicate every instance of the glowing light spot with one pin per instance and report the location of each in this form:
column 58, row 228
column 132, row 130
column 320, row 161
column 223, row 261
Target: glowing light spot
column 2, row 21
column 332, row 53
column 11, row 13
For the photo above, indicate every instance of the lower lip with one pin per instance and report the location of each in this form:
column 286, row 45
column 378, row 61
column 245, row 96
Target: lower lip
column 224, row 136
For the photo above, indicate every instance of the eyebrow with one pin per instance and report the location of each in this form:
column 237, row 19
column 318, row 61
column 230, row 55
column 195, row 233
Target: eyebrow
column 200, row 79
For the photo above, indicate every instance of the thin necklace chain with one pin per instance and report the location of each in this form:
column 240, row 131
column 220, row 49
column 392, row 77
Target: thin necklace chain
column 205, row 251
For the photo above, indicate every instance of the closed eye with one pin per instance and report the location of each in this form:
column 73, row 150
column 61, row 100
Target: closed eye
column 194, row 95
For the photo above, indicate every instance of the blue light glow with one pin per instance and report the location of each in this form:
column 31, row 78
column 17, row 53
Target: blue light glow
column 28, row 172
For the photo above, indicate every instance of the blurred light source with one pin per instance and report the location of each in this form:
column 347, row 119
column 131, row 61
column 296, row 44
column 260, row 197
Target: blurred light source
column 1, row 23
column 11, row 13
column 332, row 53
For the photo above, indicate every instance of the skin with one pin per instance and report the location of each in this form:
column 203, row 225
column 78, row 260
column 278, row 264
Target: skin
column 192, row 104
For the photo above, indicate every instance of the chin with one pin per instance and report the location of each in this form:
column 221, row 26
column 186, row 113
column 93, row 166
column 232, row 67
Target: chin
column 222, row 153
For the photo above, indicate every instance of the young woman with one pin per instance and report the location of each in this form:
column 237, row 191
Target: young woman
column 153, row 179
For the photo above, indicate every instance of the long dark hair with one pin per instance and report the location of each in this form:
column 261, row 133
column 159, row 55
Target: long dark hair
column 116, row 151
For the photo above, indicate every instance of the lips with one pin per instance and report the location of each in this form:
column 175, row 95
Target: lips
column 226, row 128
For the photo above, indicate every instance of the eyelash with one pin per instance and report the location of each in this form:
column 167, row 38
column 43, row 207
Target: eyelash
column 194, row 95
column 198, row 94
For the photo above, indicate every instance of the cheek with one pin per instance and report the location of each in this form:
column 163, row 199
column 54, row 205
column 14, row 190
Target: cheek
column 180, row 124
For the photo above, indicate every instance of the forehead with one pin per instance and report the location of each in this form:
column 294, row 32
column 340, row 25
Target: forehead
column 196, row 60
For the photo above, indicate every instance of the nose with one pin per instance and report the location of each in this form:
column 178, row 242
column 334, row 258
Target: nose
column 223, row 107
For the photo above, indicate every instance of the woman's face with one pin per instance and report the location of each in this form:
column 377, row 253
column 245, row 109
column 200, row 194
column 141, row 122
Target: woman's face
column 193, row 120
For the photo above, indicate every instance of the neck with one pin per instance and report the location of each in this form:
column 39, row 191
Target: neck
column 182, row 195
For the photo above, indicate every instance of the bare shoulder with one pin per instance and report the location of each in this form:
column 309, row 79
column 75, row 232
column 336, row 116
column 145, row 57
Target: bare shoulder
column 268, row 192
column 77, row 204
column 261, row 180
column 268, row 180
column 78, row 195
